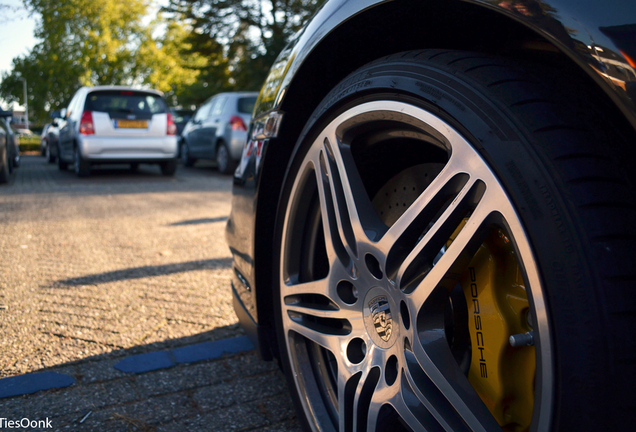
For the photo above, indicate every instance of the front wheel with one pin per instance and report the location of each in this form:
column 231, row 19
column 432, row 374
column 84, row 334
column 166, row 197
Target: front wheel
column 436, row 266
column 61, row 164
column 50, row 157
column 185, row 155
column 6, row 170
column 81, row 166
column 169, row 168
column 224, row 162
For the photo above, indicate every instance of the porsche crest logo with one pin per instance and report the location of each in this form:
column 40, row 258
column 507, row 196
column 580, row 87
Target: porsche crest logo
column 381, row 314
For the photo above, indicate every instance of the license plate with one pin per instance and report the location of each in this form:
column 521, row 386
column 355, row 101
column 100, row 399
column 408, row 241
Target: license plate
column 131, row 124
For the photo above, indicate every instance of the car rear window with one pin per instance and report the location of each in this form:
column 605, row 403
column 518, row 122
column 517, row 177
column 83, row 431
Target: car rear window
column 125, row 101
column 246, row 104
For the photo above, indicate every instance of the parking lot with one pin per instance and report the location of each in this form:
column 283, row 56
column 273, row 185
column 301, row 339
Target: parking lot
column 101, row 269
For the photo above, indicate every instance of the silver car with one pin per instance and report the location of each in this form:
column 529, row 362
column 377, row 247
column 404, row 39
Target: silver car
column 111, row 124
column 218, row 130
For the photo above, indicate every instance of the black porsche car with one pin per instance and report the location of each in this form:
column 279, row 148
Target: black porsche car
column 433, row 221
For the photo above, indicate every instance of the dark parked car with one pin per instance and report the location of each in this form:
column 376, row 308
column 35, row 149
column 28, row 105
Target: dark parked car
column 117, row 125
column 181, row 118
column 218, row 130
column 9, row 148
column 433, row 222
column 49, row 141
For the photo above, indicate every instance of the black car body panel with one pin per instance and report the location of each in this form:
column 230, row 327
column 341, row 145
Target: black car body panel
column 9, row 141
column 593, row 41
column 599, row 38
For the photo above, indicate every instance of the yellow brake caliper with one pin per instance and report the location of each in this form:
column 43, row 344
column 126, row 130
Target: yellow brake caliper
column 498, row 307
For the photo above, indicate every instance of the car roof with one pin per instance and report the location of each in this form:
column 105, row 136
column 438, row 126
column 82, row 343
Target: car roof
column 106, row 88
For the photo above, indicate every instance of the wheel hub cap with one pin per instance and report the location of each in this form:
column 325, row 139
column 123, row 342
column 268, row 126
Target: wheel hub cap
column 379, row 319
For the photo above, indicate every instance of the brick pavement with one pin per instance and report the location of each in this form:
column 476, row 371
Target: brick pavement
column 118, row 264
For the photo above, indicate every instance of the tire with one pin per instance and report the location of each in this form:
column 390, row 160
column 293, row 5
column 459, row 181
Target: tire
column 224, row 162
column 62, row 165
column 6, row 171
column 185, row 155
column 50, row 158
column 437, row 204
column 169, row 168
column 82, row 166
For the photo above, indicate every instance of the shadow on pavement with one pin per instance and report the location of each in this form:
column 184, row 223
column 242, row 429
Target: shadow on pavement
column 199, row 221
column 146, row 271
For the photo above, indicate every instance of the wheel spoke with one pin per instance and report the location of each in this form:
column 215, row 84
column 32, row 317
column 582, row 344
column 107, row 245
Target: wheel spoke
column 412, row 410
column 352, row 208
column 319, row 287
column 323, row 335
column 382, row 396
column 448, row 268
column 449, row 181
column 355, row 395
column 335, row 244
column 436, row 381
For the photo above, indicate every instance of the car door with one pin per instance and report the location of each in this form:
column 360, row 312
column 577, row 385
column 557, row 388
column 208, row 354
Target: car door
column 212, row 125
column 67, row 126
column 194, row 132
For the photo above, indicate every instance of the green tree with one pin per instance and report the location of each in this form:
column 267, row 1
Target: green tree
column 240, row 38
column 98, row 42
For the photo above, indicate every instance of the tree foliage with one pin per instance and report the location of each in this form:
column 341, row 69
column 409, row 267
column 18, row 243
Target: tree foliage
column 239, row 38
column 201, row 48
column 98, row 42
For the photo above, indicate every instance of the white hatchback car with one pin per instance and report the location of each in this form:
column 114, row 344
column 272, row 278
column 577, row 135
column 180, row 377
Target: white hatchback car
column 113, row 125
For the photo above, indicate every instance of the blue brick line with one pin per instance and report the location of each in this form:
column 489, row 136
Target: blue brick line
column 35, row 382
column 189, row 354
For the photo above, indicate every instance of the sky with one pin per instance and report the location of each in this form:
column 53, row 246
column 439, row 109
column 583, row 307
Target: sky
column 16, row 33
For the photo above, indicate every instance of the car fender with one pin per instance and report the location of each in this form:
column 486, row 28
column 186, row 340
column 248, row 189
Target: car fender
column 594, row 35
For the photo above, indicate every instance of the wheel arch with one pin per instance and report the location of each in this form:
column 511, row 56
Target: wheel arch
column 461, row 27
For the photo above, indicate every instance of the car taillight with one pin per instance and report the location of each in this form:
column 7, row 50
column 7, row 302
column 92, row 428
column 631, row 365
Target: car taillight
column 172, row 128
column 237, row 123
column 86, row 124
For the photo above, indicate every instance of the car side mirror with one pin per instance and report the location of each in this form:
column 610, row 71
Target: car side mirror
column 56, row 115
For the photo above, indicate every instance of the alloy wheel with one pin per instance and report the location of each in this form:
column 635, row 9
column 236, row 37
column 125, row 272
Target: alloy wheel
column 398, row 297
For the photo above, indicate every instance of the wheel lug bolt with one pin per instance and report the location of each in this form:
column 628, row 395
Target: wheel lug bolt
column 522, row 339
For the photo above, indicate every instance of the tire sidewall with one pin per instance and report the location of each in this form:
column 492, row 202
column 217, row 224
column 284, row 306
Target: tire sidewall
column 222, row 158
